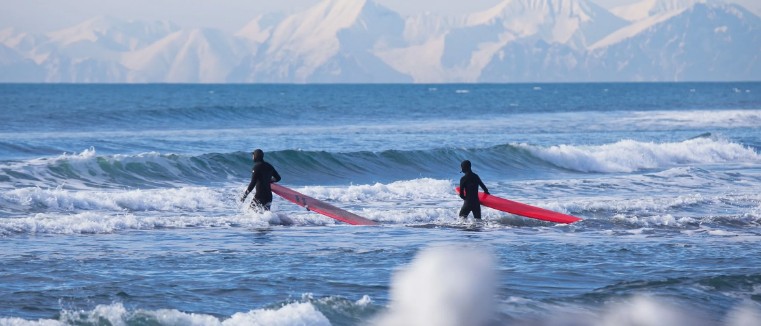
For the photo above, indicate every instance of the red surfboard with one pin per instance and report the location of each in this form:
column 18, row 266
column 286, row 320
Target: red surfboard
column 522, row 209
column 320, row 207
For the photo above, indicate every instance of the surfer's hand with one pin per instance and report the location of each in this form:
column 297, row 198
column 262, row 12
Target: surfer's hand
column 487, row 192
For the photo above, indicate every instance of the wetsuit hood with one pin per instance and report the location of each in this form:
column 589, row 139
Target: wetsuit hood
column 258, row 155
column 465, row 166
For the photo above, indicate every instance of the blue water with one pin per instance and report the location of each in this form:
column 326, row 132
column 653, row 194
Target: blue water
column 119, row 204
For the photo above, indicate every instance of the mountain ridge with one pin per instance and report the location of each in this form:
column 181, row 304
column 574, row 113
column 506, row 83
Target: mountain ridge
column 349, row 41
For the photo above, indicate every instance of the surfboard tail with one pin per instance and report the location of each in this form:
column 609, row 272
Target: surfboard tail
column 320, row 206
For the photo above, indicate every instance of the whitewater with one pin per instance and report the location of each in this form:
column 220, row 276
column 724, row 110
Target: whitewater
column 119, row 204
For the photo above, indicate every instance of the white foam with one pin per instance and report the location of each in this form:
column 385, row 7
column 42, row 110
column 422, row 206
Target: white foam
column 448, row 285
column 65, row 211
column 647, row 203
column 417, row 215
column 454, row 285
column 117, row 314
column 426, row 200
column 173, row 199
column 417, row 189
column 646, row 311
column 743, row 315
column 722, row 233
column 84, row 155
column 23, row 322
column 419, row 201
column 631, row 155
column 754, row 214
column 291, row 314
column 101, row 223
column 364, row 301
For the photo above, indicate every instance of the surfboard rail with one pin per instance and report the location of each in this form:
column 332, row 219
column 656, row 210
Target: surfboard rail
column 320, row 207
column 522, row 209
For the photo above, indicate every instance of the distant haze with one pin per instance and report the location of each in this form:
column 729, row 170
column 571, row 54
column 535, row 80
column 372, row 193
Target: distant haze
column 230, row 15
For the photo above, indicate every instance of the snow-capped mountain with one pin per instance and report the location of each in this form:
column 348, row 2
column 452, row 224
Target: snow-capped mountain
column 703, row 42
column 102, row 39
column 644, row 9
column 260, row 28
column 574, row 22
column 113, row 33
column 419, row 29
column 361, row 41
column 333, row 41
column 16, row 68
column 88, row 52
column 187, row 56
column 462, row 54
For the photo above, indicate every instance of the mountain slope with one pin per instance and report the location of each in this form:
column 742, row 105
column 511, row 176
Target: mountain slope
column 16, row 68
column 644, row 9
column 197, row 55
column 468, row 52
column 577, row 23
column 705, row 42
column 314, row 45
column 113, row 33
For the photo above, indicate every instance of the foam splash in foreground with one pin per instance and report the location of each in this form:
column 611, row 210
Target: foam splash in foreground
column 454, row 286
column 444, row 286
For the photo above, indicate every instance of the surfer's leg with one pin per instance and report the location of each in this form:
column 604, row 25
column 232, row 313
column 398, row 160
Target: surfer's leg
column 465, row 210
column 255, row 203
column 259, row 206
column 477, row 211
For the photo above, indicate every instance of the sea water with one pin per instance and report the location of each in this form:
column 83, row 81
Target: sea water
column 119, row 204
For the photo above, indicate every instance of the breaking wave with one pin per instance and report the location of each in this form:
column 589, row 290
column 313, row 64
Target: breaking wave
column 512, row 161
column 630, row 155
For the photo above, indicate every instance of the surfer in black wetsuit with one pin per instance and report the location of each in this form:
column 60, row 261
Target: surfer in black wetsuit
column 469, row 191
column 261, row 176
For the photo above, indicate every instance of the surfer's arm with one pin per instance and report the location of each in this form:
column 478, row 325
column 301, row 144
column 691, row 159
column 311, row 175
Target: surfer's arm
column 275, row 175
column 483, row 186
column 250, row 186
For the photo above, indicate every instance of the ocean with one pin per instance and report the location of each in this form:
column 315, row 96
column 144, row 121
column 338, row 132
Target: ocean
column 120, row 204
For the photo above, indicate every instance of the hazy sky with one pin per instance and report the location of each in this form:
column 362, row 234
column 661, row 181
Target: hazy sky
column 229, row 15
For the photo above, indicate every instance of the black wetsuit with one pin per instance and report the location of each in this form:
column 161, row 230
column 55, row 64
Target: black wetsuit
column 261, row 176
column 469, row 192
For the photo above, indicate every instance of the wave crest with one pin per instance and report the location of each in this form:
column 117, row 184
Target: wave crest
column 511, row 161
column 630, row 155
